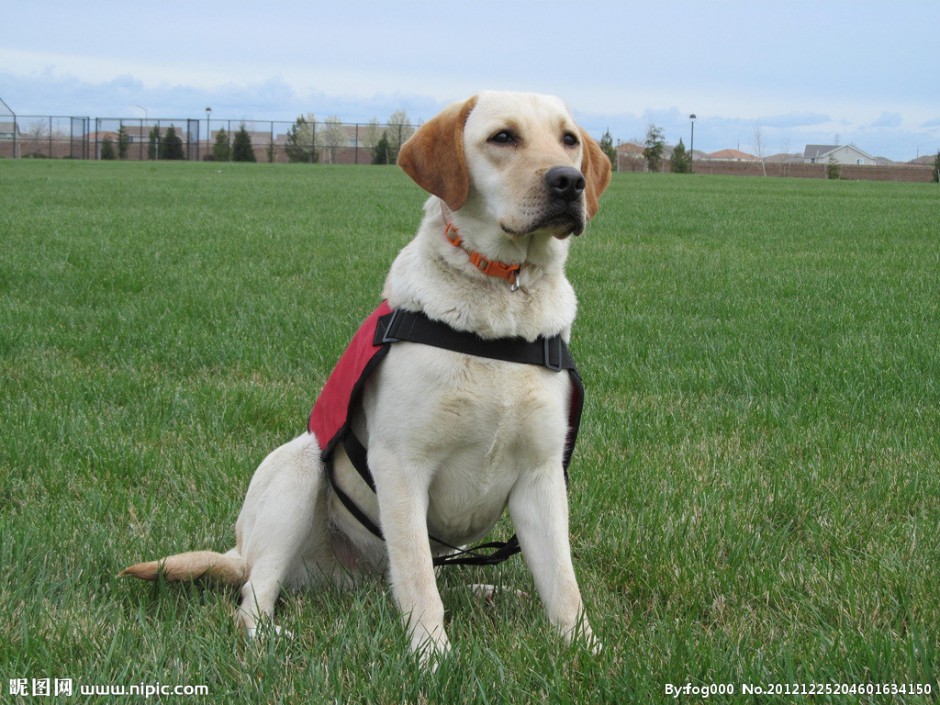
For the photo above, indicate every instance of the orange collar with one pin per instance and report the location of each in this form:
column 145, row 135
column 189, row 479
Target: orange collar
column 491, row 268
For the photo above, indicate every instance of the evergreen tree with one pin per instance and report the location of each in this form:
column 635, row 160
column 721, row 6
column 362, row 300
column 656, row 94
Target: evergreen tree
column 681, row 161
column 242, row 150
column 123, row 142
column 107, row 148
column 172, row 145
column 222, row 149
column 153, row 147
column 655, row 144
column 607, row 147
column 380, row 152
column 301, row 141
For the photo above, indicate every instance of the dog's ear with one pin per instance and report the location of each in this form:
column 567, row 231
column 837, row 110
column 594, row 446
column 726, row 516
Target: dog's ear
column 434, row 158
column 596, row 169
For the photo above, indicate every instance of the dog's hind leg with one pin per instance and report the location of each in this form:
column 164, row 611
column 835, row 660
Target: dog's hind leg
column 282, row 525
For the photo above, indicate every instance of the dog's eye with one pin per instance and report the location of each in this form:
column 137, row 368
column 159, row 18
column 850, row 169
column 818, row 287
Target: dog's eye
column 570, row 139
column 503, row 137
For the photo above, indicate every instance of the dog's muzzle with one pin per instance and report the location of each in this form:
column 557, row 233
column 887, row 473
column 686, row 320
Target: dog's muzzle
column 565, row 186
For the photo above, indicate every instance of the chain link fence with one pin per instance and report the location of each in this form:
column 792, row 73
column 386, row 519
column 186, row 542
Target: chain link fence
column 44, row 137
column 139, row 139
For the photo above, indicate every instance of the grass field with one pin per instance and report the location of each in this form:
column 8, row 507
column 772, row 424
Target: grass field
column 755, row 498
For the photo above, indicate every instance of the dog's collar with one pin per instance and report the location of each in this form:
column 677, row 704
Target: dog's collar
column 491, row 268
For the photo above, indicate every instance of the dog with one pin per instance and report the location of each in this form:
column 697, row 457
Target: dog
column 452, row 439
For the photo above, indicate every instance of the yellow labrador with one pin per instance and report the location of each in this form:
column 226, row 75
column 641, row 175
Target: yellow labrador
column 453, row 439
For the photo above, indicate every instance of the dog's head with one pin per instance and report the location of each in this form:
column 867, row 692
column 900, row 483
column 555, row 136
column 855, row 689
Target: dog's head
column 519, row 157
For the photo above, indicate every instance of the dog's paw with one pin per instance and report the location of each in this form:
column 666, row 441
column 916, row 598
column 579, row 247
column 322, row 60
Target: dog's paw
column 431, row 650
column 595, row 645
column 488, row 593
column 258, row 633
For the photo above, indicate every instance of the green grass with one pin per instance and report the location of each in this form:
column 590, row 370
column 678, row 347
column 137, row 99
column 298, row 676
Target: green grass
column 754, row 497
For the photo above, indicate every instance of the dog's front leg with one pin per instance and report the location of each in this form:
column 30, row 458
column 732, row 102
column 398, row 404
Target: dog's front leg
column 538, row 506
column 403, row 508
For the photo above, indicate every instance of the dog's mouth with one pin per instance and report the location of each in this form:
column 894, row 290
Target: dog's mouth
column 561, row 220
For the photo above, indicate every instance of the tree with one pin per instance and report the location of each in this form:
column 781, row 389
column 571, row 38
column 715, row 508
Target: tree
column 936, row 168
column 655, row 144
column 398, row 132
column 36, row 138
column 222, row 149
column 331, row 137
column 123, row 142
column 681, row 161
column 107, row 148
column 760, row 148
column 153, row 146
column 607, row 147
column 381, row 151
column 301, row 140
column 370, row 135
column 242, row 150
column 172, row 145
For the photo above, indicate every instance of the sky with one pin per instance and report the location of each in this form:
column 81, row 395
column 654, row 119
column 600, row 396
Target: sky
column 863, row 72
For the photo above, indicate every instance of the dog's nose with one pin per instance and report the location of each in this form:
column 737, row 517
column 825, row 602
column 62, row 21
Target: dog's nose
column 565, row 182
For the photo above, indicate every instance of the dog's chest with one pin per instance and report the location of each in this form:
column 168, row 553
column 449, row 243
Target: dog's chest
column 472, row 426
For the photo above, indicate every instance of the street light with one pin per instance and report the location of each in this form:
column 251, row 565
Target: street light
column 208, row 132
column 692, row 143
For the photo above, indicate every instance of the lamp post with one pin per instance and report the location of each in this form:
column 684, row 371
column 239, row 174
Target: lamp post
column 692, row 143
column 208, row 132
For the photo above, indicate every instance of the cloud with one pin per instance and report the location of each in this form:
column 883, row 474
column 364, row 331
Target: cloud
column 795, row 120
column 887, row 119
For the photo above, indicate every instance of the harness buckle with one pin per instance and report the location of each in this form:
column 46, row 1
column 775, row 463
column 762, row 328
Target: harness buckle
column 554, row 344
column 387, row 337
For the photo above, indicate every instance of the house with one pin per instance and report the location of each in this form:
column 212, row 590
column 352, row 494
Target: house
column 9, row 131
column 731, row 155
column 10, row 139
column 836, row 154
column 784, row 158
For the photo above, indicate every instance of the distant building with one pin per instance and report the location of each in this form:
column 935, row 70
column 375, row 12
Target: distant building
column 10, row 139
column 9, row 130
column 731, row 155
column 837, row 154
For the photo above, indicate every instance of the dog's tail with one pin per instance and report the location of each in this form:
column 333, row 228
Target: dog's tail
column 228, row 567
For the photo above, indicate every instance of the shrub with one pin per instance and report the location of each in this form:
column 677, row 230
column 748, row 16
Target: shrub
column 222, row 149
column 172, row 145
column 242, row 151
column 681, row 161
column 107, row 148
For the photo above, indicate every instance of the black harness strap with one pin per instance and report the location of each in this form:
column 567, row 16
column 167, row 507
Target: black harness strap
column 415, row 327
